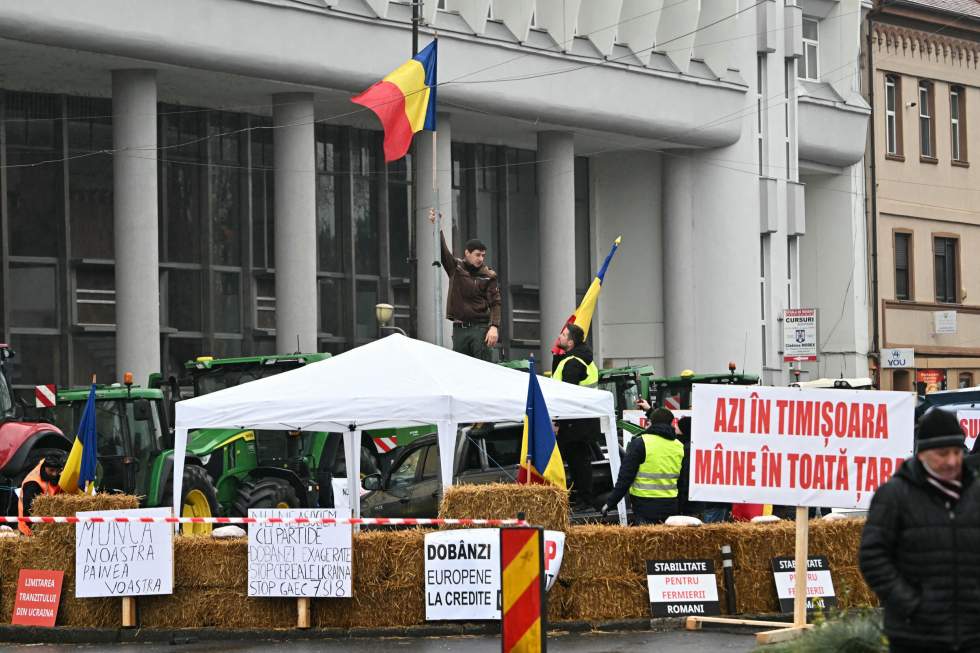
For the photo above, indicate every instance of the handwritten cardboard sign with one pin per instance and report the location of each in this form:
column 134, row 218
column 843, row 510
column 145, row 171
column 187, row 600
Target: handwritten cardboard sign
column 38, row 597
column 299, row 560
column 797, row 447
column 134, row 559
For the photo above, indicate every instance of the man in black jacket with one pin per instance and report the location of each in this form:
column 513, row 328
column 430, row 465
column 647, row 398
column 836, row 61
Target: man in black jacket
column 920, row 550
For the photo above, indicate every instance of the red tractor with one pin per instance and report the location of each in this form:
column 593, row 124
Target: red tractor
column 23, row 442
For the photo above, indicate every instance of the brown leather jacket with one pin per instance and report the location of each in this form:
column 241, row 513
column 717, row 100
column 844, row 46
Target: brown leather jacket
column 474, row 295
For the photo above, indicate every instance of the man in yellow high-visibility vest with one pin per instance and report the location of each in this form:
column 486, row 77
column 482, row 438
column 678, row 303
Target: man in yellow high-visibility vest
column 651, row 471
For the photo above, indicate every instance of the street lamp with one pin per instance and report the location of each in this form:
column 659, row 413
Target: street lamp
column 384, row 313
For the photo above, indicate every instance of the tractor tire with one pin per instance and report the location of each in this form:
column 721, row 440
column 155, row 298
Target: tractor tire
column 264, row 493
column 200, row 499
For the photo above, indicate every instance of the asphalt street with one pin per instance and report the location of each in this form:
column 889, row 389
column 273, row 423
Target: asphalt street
column 675, row 641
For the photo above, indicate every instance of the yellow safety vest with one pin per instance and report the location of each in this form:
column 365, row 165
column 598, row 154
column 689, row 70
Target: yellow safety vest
column 591, row 371
column 660, row 470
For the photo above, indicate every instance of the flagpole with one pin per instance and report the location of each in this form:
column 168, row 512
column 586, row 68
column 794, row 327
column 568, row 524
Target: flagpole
column 437, row 229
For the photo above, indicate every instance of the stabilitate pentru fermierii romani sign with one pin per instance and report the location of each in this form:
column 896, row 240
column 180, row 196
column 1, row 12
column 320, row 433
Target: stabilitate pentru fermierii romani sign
column 794, row 446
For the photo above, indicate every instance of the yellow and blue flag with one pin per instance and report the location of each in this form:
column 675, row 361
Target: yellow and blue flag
column 79, row 472
column 540, row 459
column 582, row 316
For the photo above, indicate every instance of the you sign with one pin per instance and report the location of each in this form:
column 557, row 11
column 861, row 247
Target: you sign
column 792, row 446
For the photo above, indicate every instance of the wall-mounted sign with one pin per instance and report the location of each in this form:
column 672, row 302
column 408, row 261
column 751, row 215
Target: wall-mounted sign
column 898, row 358
column 799, row 335
column 682, row 587
column 931, row 380
column 819, row 584
column 944, row 322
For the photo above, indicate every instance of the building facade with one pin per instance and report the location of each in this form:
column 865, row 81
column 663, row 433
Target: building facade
column 924, row 54
column 190, row 178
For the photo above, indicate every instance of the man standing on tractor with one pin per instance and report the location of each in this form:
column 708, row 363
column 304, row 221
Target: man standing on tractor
column 473, row 304
column 43, row 479
column 576, row 366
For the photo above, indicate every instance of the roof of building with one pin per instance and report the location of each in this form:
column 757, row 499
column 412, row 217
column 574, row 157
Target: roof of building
column 970, row 8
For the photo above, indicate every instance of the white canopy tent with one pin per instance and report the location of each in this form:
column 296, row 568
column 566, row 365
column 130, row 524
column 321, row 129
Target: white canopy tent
column 392, row 382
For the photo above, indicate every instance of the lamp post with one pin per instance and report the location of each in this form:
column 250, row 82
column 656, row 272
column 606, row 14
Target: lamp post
column 384, row 313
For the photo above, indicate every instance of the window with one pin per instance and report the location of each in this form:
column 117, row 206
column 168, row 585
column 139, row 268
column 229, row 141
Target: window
column 404, row 474
column 807, row 66
column 893, row 116
column 927, row 147
column 431, row 467
column 903, row 255
column 966, row 380
column 957, row 125
column 946, row 272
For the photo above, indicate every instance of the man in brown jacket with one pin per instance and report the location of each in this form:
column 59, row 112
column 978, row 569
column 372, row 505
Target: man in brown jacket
column 474, row 299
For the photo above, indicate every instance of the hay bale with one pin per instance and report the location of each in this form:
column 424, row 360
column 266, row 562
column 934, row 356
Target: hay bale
column 543, row 505
column 67, row 505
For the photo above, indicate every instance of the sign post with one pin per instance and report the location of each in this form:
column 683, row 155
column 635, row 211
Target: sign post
column 799, row 447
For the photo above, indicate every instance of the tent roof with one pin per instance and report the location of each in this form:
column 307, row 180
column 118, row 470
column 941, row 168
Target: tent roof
column 395, row 381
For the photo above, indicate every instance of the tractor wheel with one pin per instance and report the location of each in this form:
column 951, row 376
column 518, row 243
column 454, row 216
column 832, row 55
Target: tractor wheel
column 264, row 493
column 200, row 499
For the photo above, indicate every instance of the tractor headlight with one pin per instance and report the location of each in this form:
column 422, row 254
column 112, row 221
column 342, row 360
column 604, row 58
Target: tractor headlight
column 205, row 459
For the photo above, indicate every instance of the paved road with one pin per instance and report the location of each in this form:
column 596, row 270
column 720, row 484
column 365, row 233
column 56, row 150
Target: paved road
column 676, row 642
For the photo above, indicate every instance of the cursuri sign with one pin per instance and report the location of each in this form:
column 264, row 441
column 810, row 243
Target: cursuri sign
column 124, row 559
column 794, row 446
column 679, row 588
column 299, row 560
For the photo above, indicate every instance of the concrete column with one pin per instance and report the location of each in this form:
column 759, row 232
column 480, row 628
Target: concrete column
column 556, row 225
column 680, row 297
column 134, row 136
column 295, row 205
column 433, row 284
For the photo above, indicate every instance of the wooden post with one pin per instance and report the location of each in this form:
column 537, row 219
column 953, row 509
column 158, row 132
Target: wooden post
column 129, row 612
column 802, row 547
column 303, row 612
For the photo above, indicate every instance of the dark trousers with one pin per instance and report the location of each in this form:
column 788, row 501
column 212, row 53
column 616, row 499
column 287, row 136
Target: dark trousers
column 471, row 340
column 578, row 456
column 901, row 646
column 652, row 511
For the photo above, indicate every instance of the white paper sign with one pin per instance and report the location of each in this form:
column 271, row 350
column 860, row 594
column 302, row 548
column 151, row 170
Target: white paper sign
column 970, row 422
column 114, row 559
column 308, row 560
column 341, row 496
column 462, row 572
column 944, row 322
column 898, row 358
column 799, row 334
column 796, row 447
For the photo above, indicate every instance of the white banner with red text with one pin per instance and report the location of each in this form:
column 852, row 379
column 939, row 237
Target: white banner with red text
column 796, row 446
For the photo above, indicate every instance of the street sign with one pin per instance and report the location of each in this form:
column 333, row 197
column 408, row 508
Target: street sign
column 944, row 322
column 898, row 358
column 799, row 335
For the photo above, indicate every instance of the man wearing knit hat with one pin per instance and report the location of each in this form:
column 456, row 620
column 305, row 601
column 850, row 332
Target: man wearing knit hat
column 651, row 471
column 920, row 550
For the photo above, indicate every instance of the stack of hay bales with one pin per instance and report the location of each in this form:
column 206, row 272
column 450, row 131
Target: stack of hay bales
column 542, row 505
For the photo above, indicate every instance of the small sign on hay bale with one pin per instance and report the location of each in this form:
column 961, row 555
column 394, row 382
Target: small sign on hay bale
column 542, row 505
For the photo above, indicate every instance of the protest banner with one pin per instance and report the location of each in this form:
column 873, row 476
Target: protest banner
column 299, row 560
column 970, row 423
column 462, row 572
column 795, row 446
column 819, row 583
column 682, row 587
column 124, row 559
column 38, row 597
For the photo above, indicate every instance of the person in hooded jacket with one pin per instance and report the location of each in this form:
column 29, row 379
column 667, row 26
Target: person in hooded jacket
column 576, row 366
column 651, row 472
column 920, row 549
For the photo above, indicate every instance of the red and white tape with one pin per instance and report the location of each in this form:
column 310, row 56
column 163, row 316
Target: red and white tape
column 325, row 521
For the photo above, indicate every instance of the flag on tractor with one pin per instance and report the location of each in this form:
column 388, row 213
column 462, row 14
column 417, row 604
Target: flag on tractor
column 540, row 459
column 404, row 101
column 582, row 316
column 79, row 472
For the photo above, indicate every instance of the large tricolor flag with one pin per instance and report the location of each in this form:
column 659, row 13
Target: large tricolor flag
column 79, row 472
column 540, row 459
column 583, row 314
column 404, row 101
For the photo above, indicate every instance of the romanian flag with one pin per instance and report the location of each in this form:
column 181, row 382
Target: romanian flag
column 583, row 314
column 404, row 101
column 540, row 459
column 79, row 472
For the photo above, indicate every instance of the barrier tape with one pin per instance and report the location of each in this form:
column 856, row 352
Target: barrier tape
column 323, row 521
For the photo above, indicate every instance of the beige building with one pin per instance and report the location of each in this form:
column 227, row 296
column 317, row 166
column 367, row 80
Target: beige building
column 925, row 55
